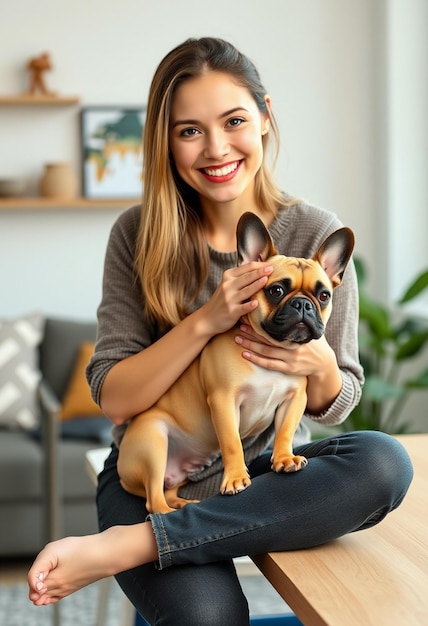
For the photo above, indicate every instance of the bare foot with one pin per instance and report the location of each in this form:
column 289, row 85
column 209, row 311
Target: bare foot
column 67, row 565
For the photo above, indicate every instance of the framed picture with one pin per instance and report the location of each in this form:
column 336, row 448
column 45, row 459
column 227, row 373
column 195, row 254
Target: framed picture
column 112, row 162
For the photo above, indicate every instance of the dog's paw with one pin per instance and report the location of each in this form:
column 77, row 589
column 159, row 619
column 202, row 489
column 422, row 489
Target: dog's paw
column 159, row 508
column 175, row 502
column 288, row 463
column 232, row 485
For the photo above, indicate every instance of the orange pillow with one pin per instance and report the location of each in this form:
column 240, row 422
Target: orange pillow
column 77, row 401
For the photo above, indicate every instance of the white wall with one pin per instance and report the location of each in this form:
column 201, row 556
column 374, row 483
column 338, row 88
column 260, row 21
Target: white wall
column 407, row 149
column 348, row 83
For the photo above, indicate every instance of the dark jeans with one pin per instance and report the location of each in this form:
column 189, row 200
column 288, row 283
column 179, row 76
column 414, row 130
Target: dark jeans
column 352, row 482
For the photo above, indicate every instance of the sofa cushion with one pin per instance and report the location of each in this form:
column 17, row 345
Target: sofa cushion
column 59, row 350
column 21, row 462
column 86, row 428
column 75, row 480
column 89, row 428
column 19, row 370
column 21, row 468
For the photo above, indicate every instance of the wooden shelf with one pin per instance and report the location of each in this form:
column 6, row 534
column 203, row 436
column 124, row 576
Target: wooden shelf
column 59, row 204
column 37, row 100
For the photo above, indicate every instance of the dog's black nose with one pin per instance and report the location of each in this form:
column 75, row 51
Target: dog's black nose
column 301, row 304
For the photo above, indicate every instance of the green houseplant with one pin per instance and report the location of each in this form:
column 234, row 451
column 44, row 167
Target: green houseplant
column 388, row 339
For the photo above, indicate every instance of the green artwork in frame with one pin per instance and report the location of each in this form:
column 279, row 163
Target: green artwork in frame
column 112, row 151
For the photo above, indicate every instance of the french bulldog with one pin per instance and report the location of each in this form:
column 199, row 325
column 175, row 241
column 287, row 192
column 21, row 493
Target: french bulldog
column 221, row 398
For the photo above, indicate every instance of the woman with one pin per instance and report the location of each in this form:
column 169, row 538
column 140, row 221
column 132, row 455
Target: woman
column 170, row 284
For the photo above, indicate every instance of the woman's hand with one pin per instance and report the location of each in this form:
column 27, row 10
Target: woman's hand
column 301, row 360
column 315, row 359
column 233, row 298
column 123, row 395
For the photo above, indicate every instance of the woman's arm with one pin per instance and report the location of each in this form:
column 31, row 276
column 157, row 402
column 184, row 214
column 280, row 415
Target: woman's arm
column 335, row 376
column 132, row 365
column 315, row 360
column 133, row 384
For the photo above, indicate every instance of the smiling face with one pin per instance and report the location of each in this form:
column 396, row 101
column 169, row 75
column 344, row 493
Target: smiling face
column 216, row 133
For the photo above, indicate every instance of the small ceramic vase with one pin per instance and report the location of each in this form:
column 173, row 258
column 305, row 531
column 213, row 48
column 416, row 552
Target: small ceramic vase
column 58, row 181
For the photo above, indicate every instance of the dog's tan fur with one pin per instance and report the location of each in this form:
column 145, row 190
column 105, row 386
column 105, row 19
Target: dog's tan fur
column 221, row 398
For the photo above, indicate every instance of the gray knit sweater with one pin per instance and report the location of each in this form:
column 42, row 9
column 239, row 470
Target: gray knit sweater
column 123, row 331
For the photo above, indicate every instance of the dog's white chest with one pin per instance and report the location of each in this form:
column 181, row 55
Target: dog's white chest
column 259, row 398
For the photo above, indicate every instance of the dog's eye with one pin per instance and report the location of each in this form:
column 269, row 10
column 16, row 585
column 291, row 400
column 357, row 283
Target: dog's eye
column 276, row 291
column 324, row 296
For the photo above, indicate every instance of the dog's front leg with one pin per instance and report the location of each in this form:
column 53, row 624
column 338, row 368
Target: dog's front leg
column 225, row 418
column 287, row 419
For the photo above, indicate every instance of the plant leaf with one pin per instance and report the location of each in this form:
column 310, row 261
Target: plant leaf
column 421, row 382
column 377, row 389
column 360, row 268
column 411, row 325
column 419, row 285
column 359, row 421
column 376, row 316
column 386, row 339
column 412, row 346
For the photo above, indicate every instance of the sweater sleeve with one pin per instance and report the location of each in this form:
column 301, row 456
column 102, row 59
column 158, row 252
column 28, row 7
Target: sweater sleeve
column 341, row 334
column 124, row 331
column 300, row 231
column 122, row 328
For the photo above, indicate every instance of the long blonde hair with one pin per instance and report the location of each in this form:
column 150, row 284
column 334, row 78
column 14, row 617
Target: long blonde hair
column 172, row 253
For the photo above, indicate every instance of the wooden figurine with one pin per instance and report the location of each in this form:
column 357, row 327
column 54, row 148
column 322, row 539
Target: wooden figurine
column 37, row 66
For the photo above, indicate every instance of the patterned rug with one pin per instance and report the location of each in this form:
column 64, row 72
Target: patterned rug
column 77, row 610
column 80, row 609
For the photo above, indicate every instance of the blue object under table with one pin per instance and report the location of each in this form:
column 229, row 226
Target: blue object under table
column 256, row 620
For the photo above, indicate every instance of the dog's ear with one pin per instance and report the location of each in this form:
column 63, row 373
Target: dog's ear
column 334, row 254
column 254, row 242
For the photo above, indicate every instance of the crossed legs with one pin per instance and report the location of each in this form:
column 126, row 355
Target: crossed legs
column 351, row 482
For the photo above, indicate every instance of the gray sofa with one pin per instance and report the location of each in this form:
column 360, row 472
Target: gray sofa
column 45, row 490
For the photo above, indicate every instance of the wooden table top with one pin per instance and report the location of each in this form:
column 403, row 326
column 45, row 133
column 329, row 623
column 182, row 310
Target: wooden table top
column 375, row 577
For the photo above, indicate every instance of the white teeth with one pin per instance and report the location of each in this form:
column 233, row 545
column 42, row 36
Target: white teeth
column 222, row 171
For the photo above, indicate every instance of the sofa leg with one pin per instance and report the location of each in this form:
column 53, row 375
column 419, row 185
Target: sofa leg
column 56, row 615
column 52, row 478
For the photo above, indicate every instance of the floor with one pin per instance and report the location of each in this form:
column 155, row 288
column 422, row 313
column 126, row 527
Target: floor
column 263, row 599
